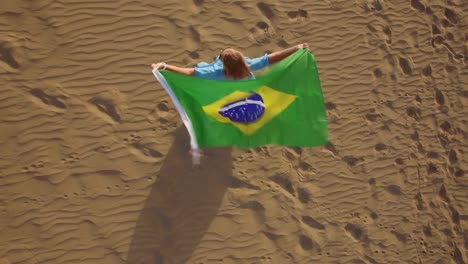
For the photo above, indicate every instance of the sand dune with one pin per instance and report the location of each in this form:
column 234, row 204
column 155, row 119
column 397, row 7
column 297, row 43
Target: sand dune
column 94, row 165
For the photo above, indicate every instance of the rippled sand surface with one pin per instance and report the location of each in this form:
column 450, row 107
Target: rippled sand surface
column 94, row 163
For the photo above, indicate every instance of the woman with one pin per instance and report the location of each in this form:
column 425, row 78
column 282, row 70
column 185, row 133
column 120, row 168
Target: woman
column 231, row 64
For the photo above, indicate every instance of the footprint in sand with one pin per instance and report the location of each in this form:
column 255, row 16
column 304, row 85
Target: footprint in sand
column 107, row 108
column 194, row 55
column 34, row 167
column 355, row 232
column 405, row 66
column 70, row 158
column 427, row 71
column 133, row 138
column 266, row 10
column 284, row 182
column 455, row 215
column 399, row 161
column 330, row 106
column 162, row 107
column 299, row 15
column 443, row 195
column 433, row 155
column 257, row 209
column 414, row 112
column 261, row 33
column 446, row 127
column 393, row 189
column 371, row 5
column 432, row 168
column 262, row 150
column 263, row 26
column 383, row 34
column 380, row 147
column 418, row 5
column 311, row 222
column 439, row 97
column 420, row 205
column 331, row 148
column 147, row 151
column 49, row 100
column 403, row 238
column 7, row 56
column 266, row 259
column 103, row 149
column 303, row 195
column 306, row 242
column 282, row 44
column 352, row 161
column 237, row 183
column 453, row 156
column 372, row 116
column 139, row 148
column 435, row 30
column 290, row 154
column 305, row 167
column 451, row 16
column 444, row 139
column 163, row 115
column 457, row 255
column 377, row 73
column 255, row 206
column 439, row 40
column 459, row 173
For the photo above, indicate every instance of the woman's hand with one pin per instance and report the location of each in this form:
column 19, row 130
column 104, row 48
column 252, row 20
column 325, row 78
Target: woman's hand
column 303, row 46
column 159, row 65
column 279, row 55
column 172, row 68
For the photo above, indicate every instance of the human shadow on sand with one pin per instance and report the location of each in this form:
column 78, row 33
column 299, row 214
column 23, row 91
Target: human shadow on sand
column 181, row 204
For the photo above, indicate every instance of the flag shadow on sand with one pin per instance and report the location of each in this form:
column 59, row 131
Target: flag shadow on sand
column 181, row 205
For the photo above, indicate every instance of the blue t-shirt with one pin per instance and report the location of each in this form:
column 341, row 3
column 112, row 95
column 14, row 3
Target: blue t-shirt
column 215, row 70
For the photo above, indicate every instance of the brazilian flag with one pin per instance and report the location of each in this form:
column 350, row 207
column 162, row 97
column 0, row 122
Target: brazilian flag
column 283, row 106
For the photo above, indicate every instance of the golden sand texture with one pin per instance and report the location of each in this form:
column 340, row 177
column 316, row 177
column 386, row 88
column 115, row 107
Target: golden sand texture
column 94, row 163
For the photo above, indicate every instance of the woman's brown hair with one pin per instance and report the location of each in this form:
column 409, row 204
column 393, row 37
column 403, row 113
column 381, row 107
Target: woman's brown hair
column 234, row 64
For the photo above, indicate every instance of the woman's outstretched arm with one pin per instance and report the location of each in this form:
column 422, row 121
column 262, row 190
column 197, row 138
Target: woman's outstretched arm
column 279, row 55
column 164, row 66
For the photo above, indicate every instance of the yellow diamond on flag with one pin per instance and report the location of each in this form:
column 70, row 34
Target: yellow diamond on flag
column 274, row 101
